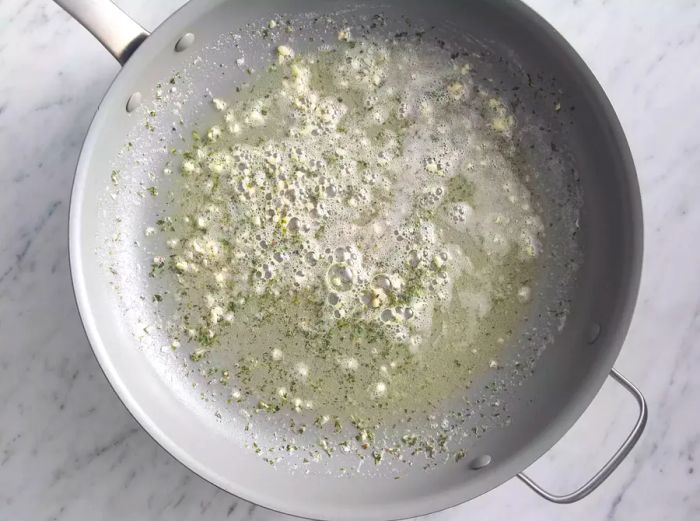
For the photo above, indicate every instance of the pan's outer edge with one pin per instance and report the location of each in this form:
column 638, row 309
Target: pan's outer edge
column 526, row 457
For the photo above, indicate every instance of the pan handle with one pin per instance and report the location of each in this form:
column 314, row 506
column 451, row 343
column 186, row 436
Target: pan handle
column 612, row 463
column 110, row 25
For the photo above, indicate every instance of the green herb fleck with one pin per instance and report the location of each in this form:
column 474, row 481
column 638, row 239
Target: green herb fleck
column 198, row 354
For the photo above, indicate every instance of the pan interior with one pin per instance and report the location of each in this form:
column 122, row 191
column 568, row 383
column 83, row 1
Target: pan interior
column 139, row 185
column 227, row 340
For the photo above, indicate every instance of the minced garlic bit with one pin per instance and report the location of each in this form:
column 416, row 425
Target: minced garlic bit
column 219, row 104
column 501, row 120
column 284, row 53
column 456, row 89
column 524, row 294
column 344, row 35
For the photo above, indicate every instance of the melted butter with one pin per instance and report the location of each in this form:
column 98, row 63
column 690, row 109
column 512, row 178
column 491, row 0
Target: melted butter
column 352, row 237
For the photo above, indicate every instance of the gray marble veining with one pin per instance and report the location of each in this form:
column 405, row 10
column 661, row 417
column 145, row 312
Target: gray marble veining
column 69, row 449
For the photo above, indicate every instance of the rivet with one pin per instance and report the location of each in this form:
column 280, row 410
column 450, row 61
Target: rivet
column 593, row 332
column 480, row 462
column 133, row 102
column 184, row 42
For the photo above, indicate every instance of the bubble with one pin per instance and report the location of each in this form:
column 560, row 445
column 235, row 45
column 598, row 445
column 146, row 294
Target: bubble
column 342, row 254
column 268, row 271
column 312, row 258
column 340, row 277
column 382, row 282
column 366, row 298
column 294, row 225
column 387, row 315
column 319, row 211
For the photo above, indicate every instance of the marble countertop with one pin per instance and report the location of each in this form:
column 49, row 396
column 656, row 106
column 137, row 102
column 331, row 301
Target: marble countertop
column 70, row 450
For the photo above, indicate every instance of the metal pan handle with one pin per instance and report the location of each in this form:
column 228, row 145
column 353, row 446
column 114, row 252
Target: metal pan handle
column 612, row 463
column 120, row 35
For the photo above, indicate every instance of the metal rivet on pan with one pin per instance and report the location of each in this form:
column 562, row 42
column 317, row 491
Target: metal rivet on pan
column 133, row 102
column 593, row 332
column 480, row 462
column 184, row 42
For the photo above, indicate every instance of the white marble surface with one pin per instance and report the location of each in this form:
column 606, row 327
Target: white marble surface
column 69, row 449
